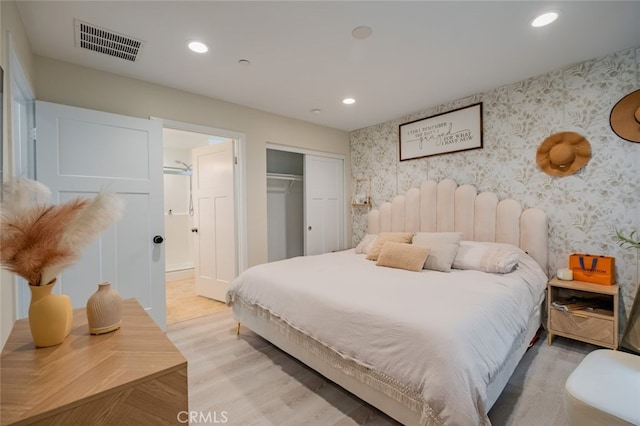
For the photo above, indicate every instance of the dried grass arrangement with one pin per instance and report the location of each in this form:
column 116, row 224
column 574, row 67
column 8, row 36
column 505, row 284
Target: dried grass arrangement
column 38, row 240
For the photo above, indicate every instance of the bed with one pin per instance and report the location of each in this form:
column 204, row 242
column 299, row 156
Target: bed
column 434, row 346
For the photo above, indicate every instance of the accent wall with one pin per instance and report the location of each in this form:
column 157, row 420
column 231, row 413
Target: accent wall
column 583, row 209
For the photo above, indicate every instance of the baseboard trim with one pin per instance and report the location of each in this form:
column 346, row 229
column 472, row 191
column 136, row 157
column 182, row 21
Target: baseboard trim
column 180, row 274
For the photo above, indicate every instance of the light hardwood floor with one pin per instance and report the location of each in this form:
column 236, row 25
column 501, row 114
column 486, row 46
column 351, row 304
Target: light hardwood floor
column 184, row 304
column 251, row 382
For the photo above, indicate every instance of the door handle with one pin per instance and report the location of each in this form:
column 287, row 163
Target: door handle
column 158, row 239
column 194, row 230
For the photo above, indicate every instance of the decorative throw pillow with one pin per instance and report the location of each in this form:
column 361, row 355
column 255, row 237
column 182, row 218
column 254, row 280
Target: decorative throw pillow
column 366, row 243
column 443, row 245
column 403, row 256
column 496, row 258
column 383, row 237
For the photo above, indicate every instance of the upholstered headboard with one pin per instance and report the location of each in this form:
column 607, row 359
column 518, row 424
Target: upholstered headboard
column 444, row 206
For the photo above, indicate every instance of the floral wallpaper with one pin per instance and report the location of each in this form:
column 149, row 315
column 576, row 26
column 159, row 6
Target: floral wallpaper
column 583, row 209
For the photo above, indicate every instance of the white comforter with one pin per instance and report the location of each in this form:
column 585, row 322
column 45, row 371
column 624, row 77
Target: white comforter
column 444, row 335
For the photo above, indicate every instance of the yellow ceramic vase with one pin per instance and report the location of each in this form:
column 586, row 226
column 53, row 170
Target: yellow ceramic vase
column 50, row 315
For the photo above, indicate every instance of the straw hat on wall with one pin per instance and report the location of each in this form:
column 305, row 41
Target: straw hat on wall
column 563, row 154
column 625, row 117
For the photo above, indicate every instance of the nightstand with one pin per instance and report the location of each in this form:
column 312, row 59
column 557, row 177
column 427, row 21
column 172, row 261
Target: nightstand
column 591, row 312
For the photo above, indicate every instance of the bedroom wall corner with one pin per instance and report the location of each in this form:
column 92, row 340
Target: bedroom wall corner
column 583, row 209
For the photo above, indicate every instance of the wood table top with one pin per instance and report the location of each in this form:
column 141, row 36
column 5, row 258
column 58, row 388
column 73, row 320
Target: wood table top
column 35, row 381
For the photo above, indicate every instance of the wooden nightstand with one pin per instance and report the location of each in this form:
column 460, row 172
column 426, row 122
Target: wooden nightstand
column 595, row 323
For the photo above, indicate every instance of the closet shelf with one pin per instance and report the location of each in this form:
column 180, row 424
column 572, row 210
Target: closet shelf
column 292, row 179
column 284, row 176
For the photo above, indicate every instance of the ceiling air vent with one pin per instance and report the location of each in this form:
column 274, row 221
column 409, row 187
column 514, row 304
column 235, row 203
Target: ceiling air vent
column 104, row 41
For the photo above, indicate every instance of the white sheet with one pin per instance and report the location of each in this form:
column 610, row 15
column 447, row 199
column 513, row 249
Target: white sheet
column 443, row 335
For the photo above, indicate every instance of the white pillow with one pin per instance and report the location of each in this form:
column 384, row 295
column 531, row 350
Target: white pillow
column 497, row 258
column 366, row 243
column 443, row 245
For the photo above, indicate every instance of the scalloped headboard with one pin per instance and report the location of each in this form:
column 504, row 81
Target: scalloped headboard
column 444, row 206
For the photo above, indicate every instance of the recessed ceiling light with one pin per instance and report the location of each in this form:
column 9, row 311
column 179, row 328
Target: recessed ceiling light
column 545, row 19
column 348, row 101
column 197, row 46
column 361, row 32
column 244, row 62
column 316, row 111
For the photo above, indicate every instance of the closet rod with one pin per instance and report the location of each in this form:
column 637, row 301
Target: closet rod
column 284, row 176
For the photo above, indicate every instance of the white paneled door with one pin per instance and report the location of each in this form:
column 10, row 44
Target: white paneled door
column 324, row 204
column 79, row 152
column 214, row 219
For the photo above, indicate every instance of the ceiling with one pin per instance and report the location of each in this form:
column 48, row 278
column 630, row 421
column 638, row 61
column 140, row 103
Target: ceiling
column 303, row 55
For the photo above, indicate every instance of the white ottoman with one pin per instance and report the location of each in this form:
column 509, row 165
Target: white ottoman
column 604, row 390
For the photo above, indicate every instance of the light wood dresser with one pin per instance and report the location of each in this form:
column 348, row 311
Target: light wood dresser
column 134, row 375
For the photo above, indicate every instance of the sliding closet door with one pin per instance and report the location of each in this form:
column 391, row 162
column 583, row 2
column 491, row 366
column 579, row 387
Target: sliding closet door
column 324, row 204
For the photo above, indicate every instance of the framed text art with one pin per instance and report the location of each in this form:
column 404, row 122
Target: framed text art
column 457, row 130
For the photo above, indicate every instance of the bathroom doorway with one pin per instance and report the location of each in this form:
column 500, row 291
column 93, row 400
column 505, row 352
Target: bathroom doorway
column 183, row 241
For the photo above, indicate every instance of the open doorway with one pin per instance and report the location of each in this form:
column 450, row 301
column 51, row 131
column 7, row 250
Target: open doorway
column 285, row 204
column 191, row 229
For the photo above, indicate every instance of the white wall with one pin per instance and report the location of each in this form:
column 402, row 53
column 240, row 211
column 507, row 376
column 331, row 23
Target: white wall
column 178, row 222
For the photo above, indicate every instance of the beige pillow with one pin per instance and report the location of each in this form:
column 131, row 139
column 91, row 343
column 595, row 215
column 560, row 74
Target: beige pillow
column 383, row 237
column 443, row 245
column 403, row 256
column 366, row 243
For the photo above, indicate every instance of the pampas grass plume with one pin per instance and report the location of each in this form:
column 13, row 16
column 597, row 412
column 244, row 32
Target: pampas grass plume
column 96, row 216
column 20, row 195
column 37, row 241
column 29, row 243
